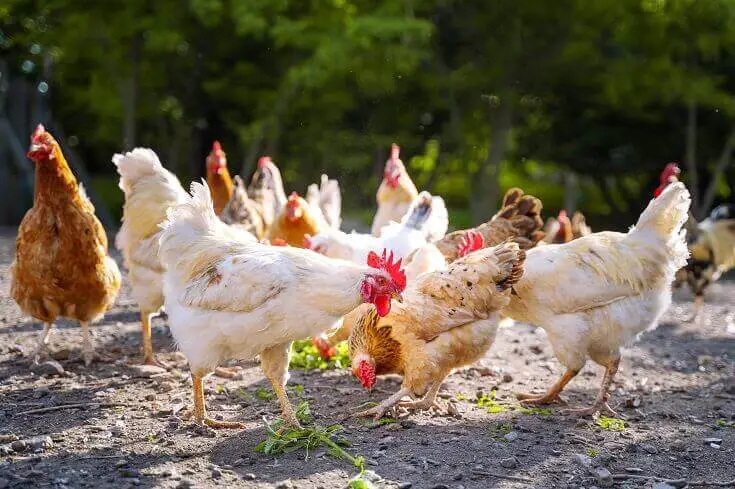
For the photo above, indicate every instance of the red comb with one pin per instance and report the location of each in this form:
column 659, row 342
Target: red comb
column 671, row 169
column 39, row 130
column 293, row 196
column 264, row 160
column 562, row 214
column 393, row 268
column 216, row 147
column 471, row 241
column 395, row 150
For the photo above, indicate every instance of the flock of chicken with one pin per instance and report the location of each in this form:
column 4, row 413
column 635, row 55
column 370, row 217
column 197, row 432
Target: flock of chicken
column 244, row 272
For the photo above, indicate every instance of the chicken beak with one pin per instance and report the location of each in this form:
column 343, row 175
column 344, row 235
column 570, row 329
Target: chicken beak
column 397, row 296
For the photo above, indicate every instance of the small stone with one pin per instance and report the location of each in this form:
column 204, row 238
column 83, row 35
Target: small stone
column 287, row 484
column 708, row 441
column 8, row 438
column 18, row 445
column 216, row 473
column 48, row 368
column 128, row 473
column 603, row 476
column 633, row 402
column 512, row 436
column 633, row 470
column 662, row 485
column 509, row 463
column 146, row 371
column 405, row 485
column 440, row 486
column 121, row 463
column 507, row 378
column 649, row 448
column 150, row 397
column 249, row 476
column 185, row 484
column 584, row 460
column 61, row 355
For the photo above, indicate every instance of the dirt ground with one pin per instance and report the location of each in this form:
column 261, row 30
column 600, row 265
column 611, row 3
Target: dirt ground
column 675, row 391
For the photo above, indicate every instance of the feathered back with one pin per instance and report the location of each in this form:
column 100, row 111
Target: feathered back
column 193, row 236
column 519, row 220
column 149, row 190
column 718, row 236
column 243, row 211
column 429, row 215
column 327, row 199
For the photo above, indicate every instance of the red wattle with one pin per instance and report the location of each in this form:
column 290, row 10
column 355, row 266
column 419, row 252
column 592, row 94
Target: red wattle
column 382, row 304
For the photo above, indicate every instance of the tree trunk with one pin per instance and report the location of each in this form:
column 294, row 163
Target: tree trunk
column 691, row 155
column 722, row 163
column 485, row 190
column 130, row 95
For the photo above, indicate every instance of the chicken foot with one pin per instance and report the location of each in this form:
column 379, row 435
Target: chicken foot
column 200, row 410
column 43, row 342
column 149, row 357
column 274, row 362
column 600, row 405
column 427, row 402
column 698, row 310
column 553, row 394
column 379, row 411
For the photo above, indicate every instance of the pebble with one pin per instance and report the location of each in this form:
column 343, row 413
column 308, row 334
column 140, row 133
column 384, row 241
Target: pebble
column 287, row 484
column 440, row 486
column 249, row 476
column 634, row 470
column 603, row 476
column 185, row 484
column 512, row 436
column 405, row 485
column 62, row 354
column 708, row 441
column 507, row 378
column 509, row 463
column 649, row 448
column 48, row 368
column 216, row 473
column 146, row 371
column 662, row 485
column 4, row 483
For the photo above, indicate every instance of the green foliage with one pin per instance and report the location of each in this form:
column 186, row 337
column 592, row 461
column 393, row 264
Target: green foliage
column 592, row 453
column 285, row 440
column 305, row 356
column 264, row 394
column 610, row 424
column 497, row 407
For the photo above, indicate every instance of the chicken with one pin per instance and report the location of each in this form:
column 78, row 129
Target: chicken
column 244, row 212
column 426, row 218
column 395, row 194
column 595, row 294
column 295, row 222
column 150, row 190
column 712, row 253
column 447, row 320
column 229, row 296
column 518, row 219
column 579, row 226
column 326, row 200
column 218, row 177
column 669, row 175
column 61, row 266
column 266, row 189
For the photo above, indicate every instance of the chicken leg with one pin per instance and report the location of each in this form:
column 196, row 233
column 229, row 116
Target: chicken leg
column 378, row 411
column 553, row 394
column 600, row 405
column 43, row 342
column 148, row 356
column 274, row 362
column 87, row 348
column 428, row 401
column 200, row 410
column 698, row 309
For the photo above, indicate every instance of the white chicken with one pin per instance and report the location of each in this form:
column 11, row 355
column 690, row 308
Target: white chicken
column 326, row 200
column 149, row 190
column 229, row 297
column 426, row 221
column 595, row 294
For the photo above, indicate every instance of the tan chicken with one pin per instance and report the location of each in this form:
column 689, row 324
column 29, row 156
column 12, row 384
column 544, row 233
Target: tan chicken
column 447, row 319
column 326, row 199
column 218, row 177
column 579, row 226
column 295, row 222
column 61, row 266
column 595, row 294
column 395, row 194
column 244, row 212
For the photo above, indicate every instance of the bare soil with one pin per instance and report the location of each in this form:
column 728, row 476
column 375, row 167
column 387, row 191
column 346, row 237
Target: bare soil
column 675, row 392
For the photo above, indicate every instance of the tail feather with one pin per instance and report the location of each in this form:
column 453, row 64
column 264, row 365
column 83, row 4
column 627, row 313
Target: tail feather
column 667, row 213
column 429, row 215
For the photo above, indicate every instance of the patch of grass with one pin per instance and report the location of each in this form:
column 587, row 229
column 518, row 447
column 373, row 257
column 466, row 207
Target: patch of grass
column 724, row 423
column 494, row 407
column 610, row 424
column 264, row 394
column 220, row 389
column 497, row 432
column 285, row 440
column 592, row 453
column 296, row 389
column 243, row 395
column 460, row 397
column 305, row 356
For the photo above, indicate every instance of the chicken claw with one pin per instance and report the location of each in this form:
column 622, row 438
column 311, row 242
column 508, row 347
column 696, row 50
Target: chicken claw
column 422, row 405
column 389, row 404
column 228, row 372
column 537, row 400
